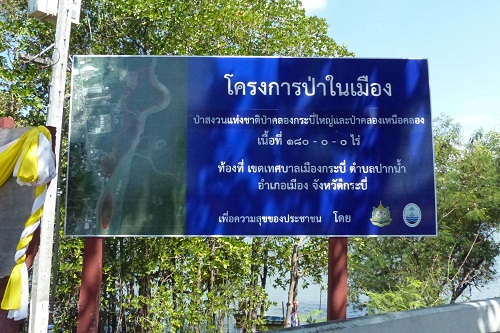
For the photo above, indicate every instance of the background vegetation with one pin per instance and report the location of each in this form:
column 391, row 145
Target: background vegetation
column 195, row 284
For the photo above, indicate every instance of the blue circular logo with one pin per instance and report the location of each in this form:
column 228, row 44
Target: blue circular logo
column 412, row 215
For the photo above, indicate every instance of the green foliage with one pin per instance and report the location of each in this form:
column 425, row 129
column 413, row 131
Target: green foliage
column 403, row 273
column 201, row 27
column 312, row 260
column 303, row 259
column 195, row 284
column 167, row 27
column 67, row 283
column 178, row 284
column 23, row 83
column 406, row 297
column 313, row 317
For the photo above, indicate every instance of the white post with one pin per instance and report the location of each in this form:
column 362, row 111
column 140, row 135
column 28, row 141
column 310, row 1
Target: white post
column 40, row 290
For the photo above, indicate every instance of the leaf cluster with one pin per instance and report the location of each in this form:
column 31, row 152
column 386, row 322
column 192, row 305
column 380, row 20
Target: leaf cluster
column 203, row 27
column 403, row 273
column 23, row 82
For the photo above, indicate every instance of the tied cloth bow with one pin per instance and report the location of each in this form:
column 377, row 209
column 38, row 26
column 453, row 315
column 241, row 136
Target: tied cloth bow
column 31, row 159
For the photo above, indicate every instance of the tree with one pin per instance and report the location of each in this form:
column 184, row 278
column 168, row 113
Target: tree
column 463, row 254
column 23, row 82
column 303, row 259
column 468, row 203
column 183, row 284
column 201, row 27
column 180, row 284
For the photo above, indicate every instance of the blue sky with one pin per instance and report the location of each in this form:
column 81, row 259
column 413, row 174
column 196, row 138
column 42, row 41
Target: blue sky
column 460, row 39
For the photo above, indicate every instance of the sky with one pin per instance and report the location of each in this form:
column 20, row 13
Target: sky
column 460, row 39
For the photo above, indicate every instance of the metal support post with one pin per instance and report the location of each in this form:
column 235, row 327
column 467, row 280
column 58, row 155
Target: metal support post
column 40, row 291
column 337, row 278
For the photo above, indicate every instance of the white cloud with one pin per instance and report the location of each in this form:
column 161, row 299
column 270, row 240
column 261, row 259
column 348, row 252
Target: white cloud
column 314, row 5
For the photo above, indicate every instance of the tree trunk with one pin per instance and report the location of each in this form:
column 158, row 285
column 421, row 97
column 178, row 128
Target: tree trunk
column 294, row 283
column 263, row 277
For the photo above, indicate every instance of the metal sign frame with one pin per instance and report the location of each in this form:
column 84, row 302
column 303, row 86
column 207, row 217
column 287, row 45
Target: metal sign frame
column 250, row 146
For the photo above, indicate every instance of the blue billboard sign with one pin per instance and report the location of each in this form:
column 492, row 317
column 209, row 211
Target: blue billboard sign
column 250, row 146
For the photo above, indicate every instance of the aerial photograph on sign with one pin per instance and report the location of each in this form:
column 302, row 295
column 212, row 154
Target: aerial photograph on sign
column 250, row 146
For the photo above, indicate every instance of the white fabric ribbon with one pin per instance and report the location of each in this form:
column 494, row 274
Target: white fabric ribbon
column 46, row 172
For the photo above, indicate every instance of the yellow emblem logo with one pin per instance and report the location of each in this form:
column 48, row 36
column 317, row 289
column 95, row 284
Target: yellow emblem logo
column 381, row 215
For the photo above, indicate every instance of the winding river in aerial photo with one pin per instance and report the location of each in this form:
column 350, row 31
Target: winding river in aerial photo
column 120, row 163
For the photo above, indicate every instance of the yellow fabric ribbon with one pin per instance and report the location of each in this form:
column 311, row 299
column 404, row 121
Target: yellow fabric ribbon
column 23, row 158
column 12, row 296
column 25, row 147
